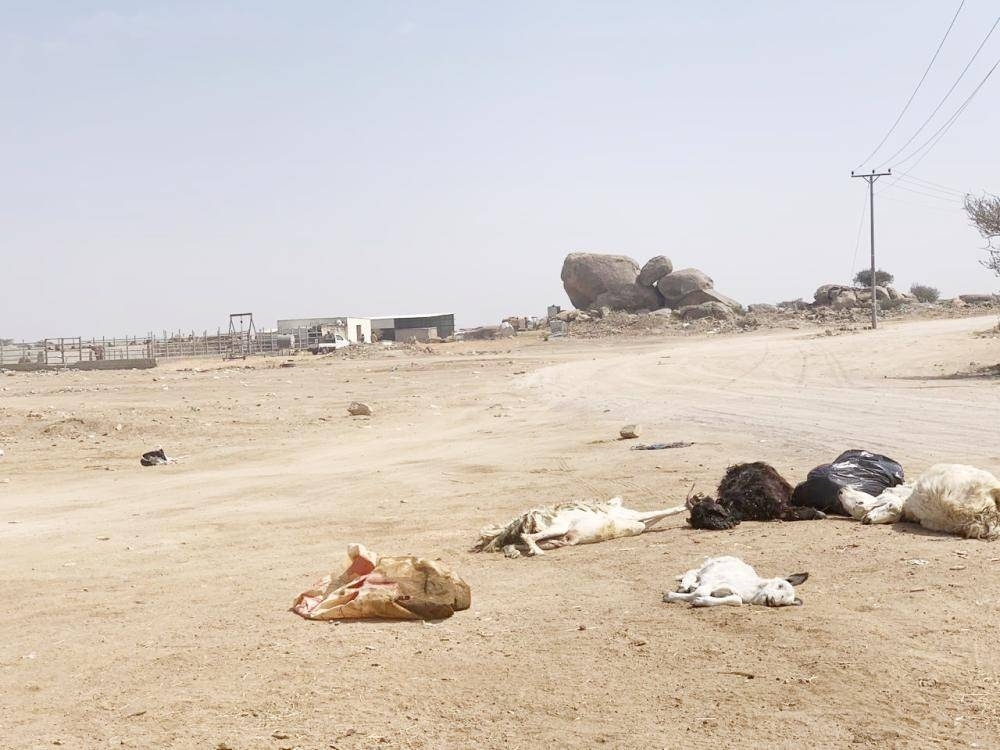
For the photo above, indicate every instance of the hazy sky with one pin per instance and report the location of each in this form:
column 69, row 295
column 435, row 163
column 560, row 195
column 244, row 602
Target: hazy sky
column 163, row 164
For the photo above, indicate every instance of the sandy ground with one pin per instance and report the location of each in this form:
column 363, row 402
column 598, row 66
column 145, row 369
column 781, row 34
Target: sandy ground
column 148, row 608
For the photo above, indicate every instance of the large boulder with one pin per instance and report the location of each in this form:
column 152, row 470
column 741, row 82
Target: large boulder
column 630, row 298
column 865, row 295
column 827, row 293
column 674, row 286
column 846, row 298
column 654, row 270
column 700, row 296
column 706, row 310
column 586, row 276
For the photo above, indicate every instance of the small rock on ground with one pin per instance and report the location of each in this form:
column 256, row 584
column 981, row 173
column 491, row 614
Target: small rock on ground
column 630, row 432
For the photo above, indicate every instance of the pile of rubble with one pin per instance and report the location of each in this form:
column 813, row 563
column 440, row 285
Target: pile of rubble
column 615, row 282
column 794, row 314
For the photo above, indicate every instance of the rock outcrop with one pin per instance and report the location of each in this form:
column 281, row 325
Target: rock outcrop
column 675, row 286
column 630, row 298
column 701, row 296
column 715, row 310
column 586, row 276
column 654, row 270
column 596, row 282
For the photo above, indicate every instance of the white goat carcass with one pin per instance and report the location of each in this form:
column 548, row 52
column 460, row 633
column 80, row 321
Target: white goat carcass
column 567, row 524
column 729, row 580
column 952, row 498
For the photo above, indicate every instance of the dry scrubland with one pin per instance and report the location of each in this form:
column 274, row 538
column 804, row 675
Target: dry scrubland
column 147, row 608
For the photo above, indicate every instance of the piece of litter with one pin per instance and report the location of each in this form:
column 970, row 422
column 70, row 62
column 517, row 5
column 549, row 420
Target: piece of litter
column 917, row 562
column 660, row 446
column 103, row 538
column 957, row 567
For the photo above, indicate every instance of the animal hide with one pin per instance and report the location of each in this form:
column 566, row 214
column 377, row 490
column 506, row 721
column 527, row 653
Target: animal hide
column 388, row 588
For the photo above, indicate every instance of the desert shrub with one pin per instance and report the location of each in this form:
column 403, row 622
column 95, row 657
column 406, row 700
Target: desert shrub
column 925, row 293
column 890, row 304
column 882, row 278
column 984, row 212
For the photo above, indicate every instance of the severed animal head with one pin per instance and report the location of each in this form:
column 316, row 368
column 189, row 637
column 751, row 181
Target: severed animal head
column 705, row 513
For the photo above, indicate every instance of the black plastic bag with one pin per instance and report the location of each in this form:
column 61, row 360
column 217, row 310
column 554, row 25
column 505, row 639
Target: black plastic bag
column 154, row 458
column 860, row 470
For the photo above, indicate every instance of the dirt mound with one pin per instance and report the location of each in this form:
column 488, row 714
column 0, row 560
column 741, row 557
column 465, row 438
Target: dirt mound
column 77, row 427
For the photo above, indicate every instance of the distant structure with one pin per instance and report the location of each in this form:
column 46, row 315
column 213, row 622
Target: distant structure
column 419, row 327
column 355, row 330
column 400, row 328
column 242, row 336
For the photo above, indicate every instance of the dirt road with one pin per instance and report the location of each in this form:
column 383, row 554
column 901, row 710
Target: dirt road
column 148, row 607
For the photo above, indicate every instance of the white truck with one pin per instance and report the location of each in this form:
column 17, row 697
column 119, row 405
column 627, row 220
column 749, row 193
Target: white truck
column 329, row 344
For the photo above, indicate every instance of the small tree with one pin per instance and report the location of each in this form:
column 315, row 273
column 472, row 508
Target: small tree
column 882, row 278
column 984, row 212
column 925, row 293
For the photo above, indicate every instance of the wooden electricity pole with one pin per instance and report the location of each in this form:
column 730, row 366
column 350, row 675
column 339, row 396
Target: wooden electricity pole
column 870, row 179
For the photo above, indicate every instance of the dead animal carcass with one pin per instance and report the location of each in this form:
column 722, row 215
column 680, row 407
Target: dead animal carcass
column 568, row 524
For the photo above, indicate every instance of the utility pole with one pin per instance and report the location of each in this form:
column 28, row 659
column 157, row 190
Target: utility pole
column 870, row 179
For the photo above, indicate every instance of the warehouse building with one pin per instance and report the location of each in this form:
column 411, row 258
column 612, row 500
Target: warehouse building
column 420, row 327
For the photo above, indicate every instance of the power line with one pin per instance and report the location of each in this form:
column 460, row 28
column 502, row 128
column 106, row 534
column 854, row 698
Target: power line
column 940, row 132
column 945, row 97
column 924, row 206
column 919, row 84
column 949, row 199
column 928, row 185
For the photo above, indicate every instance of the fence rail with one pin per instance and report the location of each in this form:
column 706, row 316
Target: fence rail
column 69, row 351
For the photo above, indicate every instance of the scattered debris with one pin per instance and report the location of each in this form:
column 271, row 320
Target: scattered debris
column 660, row 446
column 393, row 588
column 156, row 458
